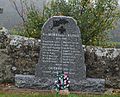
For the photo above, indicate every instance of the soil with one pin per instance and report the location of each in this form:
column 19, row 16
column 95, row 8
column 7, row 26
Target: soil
column 10, row 88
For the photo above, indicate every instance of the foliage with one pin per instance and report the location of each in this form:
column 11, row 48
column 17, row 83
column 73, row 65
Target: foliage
column 114, row 44
column 32, row 18
column 94, row 17
column 34, row 23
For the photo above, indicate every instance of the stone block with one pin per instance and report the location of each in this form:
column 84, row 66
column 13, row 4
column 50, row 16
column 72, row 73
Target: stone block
column 85, row 85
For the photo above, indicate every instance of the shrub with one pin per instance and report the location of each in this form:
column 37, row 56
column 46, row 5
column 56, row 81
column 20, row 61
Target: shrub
column 34, row 23
column 94, row 17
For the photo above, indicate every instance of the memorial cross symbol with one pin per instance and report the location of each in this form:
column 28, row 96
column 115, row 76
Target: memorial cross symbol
column 61, row 30
column 1, row 10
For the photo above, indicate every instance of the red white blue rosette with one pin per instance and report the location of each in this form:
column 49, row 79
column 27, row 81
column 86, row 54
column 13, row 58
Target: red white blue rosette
column 62, row 82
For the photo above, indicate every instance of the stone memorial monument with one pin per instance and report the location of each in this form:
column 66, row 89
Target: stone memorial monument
column 61, row 51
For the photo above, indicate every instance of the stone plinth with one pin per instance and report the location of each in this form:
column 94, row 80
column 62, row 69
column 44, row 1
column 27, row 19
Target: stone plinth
column 85, row 85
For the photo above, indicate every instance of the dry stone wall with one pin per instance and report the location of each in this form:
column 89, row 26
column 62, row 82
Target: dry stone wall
column 24, row 53
column 21, row 56
column 104, row 63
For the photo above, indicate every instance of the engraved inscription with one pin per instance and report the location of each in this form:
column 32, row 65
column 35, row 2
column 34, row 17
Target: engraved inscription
column 63, row 48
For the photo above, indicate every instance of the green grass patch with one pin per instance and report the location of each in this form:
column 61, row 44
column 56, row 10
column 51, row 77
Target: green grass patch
column 51, row 95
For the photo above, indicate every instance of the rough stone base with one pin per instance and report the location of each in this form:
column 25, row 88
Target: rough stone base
column 86, row 85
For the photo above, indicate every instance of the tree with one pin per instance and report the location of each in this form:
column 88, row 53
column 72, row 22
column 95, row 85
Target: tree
column 94, row 17
column 32, row 18
column 19, row 11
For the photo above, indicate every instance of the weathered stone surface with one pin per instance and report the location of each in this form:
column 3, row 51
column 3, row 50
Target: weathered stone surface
column 30, row 81
column 85, row 85
column 6, row 74
column 61, row 49
column 103, row 63
column 3, row 37
column 24, row 53
column 89, row 85
column 19, row 56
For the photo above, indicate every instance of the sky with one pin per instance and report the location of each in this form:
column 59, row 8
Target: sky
column 10, row 17
column 119, row 2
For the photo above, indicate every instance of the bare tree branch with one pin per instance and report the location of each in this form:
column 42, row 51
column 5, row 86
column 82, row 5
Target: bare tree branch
column 21, row 14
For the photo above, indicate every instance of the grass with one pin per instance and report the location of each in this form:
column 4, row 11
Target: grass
column 50, row 95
